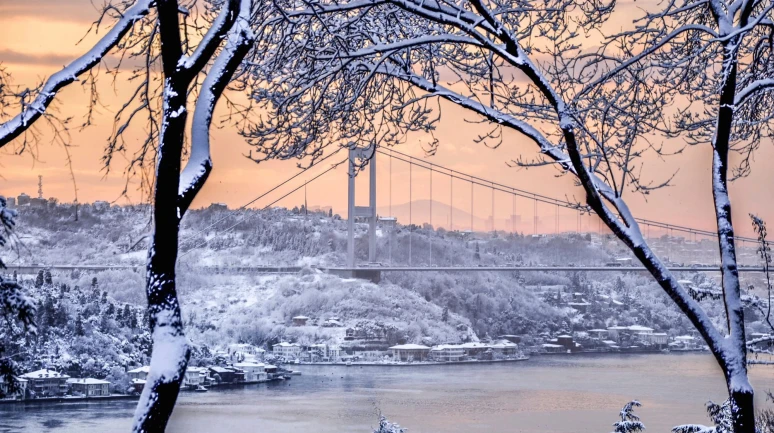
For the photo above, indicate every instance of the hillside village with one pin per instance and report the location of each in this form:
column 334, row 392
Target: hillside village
column 251, row 328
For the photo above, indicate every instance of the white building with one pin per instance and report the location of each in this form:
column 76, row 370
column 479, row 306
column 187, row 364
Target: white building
column 334, row 353
column 254, row 372
column 195, row 376
column 447, row 353
column 287, row 350
column 140, row 373
column 20, row 393
column 409, row 352
column 89, row 387
column 46, row 383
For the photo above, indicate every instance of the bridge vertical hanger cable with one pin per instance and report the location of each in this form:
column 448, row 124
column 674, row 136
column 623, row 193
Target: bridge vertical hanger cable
column 411, row 220
column 534, row 218
column 432, row 229
column 556, row 228
column 392, row 223
column 471, row 207
column 493, row 206
column 513, row 214
column 451, row 203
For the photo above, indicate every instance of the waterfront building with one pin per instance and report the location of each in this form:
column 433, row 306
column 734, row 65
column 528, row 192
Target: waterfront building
column 504, row 349
column 140, row 373
column 195, row 376
column 553, row 348
column 474, row 349
column 287, row 350
column 20, row 393
column 409, row 352
column 271, row 371
column 254, row 372
column 447, row 353
column 46, row 383
column 138, row 385
column 226, row 375
column 334, row 353
column 89, row 387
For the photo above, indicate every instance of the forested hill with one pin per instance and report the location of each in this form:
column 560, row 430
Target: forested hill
column 435, row 307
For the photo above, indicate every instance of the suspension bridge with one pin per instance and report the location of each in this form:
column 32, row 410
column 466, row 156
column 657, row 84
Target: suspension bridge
column 360, row 160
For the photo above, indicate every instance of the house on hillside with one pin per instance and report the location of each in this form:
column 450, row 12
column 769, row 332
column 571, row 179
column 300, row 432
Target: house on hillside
column 46, row 383
column 300, row 320
column 89, row 387
column 243, row 351
column 409, row 352
column 23, row 200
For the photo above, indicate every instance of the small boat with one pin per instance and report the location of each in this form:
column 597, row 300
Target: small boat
column 201, row 388
column 294, row 373
column 348, row 364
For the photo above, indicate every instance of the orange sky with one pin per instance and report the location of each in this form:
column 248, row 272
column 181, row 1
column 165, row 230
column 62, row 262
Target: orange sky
column 38, row 36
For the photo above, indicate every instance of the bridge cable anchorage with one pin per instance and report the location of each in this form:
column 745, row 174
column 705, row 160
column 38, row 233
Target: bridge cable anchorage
column 546, row 199
column 332, row 167
column 244, row 206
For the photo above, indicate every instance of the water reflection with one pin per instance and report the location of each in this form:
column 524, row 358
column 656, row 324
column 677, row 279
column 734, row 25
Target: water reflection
column 558, row 394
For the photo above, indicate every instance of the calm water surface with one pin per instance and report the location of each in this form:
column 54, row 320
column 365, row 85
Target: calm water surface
column 558, row 394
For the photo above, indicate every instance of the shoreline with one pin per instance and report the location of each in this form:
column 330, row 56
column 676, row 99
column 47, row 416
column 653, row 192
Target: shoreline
column 412, row 364
column 113, row 397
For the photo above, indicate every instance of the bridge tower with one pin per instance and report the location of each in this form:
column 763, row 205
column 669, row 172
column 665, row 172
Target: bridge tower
column 355, row 155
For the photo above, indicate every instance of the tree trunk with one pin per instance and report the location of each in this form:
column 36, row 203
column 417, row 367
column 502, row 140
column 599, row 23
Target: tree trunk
column 742, row 409
column 740, row 391
column 170, row 349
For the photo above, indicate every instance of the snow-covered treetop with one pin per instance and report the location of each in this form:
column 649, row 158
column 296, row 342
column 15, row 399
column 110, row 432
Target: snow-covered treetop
column 356, row 72
column 705, row 55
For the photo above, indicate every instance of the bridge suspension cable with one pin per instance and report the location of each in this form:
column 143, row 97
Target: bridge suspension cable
column 332, row 167
column 475, row 180
column 244, row 206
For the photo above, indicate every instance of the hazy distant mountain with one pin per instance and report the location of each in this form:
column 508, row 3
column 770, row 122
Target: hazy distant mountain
column 419, row 212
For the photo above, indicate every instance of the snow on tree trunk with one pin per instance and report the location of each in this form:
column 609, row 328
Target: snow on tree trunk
column 172, row 196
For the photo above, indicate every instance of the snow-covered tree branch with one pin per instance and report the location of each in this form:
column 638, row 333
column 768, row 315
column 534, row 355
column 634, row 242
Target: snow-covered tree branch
column 32, row 104
column 352, row 73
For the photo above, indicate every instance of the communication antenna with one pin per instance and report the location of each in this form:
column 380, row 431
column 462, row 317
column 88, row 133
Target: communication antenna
column 40, row 186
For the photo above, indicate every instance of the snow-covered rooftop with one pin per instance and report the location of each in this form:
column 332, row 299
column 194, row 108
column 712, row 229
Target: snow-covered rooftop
column 88, row 381
column 409, row 347
column 44, row 374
